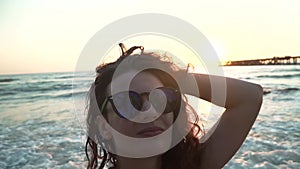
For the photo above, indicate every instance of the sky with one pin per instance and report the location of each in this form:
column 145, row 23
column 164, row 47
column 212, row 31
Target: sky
column 48, row 36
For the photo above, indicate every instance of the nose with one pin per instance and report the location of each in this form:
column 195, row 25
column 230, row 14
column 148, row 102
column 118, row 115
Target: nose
column 147, row 113
column 146, row 103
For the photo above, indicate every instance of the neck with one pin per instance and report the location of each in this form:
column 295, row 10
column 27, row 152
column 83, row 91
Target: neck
column 138, row 163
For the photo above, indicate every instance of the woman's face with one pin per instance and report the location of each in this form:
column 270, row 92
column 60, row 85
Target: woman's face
column 156, row 122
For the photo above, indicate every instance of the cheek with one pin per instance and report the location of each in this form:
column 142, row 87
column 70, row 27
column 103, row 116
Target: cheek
column 168, row 119
column 121, row 125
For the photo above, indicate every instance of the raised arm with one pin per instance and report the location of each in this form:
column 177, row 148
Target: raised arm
column 242, row 101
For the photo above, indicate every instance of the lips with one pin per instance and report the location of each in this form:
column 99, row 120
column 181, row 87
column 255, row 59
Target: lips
column 150, row 131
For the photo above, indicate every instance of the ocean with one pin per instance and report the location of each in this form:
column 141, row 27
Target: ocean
column 41, row 129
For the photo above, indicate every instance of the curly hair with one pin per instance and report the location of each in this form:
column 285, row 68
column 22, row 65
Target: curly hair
column 185, row 155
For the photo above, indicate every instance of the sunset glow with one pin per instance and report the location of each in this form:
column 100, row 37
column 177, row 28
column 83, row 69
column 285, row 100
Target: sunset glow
column 48, row 36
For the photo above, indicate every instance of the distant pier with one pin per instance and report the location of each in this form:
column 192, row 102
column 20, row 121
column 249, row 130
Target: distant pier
column 286, row 60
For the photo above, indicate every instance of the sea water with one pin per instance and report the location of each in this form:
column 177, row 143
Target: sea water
column 41, row 129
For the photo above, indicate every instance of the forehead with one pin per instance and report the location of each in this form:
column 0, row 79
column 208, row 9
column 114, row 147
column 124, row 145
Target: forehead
column 139, row 82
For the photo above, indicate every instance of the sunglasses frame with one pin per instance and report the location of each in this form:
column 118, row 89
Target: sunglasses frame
column 110, row 99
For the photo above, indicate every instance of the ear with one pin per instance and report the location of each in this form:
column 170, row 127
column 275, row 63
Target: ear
column 103, row 128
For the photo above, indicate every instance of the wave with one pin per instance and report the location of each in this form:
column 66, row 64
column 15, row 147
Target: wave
column 266, row 92
column 7, row 96
column 285, row 90
column 68, row 95
column 41, row 88
column 279, row 76
column 65, row 77
column 8, row 80
column 286, row 70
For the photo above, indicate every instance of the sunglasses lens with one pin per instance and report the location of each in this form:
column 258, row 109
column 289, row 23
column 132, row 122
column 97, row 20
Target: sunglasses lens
column 164, row 99
column 136, row 100
column 129, row 104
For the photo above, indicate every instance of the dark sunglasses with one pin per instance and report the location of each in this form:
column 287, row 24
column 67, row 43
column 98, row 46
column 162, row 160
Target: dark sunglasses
column 163, row 99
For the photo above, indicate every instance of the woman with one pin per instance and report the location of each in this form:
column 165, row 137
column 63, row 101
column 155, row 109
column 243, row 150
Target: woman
column 157, row 92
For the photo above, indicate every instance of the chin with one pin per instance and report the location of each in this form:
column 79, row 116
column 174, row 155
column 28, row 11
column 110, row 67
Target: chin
column 144, row 147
